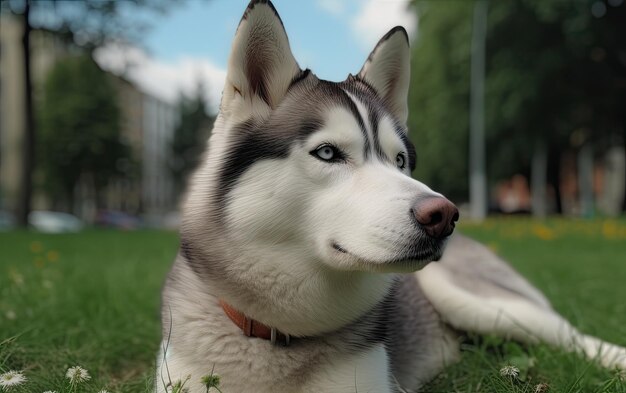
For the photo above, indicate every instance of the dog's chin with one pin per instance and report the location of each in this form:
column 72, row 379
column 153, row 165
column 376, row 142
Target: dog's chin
column 405, row 262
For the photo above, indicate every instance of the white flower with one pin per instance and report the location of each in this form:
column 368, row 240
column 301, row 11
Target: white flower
column 103, row 391
column 509, row 371
column 11, row 379
column 541, row 388
column 77, row 375
column 50, row 391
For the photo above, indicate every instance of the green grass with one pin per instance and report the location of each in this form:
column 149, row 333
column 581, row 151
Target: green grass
column 580, row 266
column 92, row 299
column 89, row 299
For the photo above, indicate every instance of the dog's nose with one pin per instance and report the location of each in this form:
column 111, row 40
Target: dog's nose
column 436, row 215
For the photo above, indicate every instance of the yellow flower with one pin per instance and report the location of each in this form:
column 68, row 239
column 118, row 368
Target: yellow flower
column 39, row 262
column 610, row 229
column 493, row 246
column 36, row 246
column 52, row 255
column 543, row 232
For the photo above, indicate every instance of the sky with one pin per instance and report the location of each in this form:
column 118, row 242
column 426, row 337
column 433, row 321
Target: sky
column 191, row 42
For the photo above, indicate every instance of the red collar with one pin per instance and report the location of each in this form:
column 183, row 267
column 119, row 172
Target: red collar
column 251, row 327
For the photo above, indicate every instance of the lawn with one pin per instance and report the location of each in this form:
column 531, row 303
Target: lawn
column 92, row 299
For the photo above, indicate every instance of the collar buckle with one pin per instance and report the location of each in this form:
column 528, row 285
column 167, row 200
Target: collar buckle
column 273, row 334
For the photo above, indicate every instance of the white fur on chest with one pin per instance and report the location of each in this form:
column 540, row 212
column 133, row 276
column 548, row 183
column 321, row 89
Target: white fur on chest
column 367, row 371
column 362, row 372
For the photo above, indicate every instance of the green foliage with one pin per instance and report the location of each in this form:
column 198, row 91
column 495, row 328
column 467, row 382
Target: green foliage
column 439, row 96
column 92, row 23
column 553, row 72
column 80, row 129
column 190, row 137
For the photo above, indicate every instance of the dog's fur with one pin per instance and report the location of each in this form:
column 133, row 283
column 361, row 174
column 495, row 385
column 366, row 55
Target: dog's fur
column 322, row 246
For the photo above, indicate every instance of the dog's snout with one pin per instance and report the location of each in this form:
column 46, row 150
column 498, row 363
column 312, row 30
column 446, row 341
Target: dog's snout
column 436, row 215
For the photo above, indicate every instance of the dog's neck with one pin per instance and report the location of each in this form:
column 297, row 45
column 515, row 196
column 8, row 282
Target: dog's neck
column 253, row 328
column 305, row 299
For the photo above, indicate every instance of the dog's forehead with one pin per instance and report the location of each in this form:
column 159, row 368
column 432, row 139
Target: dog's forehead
column 383, row 136
column 310, row 97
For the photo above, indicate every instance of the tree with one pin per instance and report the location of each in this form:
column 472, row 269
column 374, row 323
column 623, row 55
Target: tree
column 87, row 23
column 190, row 137
column 28, row 149
column 559, row 81
column 439, row 96
column 80, row 130
column 554, row 82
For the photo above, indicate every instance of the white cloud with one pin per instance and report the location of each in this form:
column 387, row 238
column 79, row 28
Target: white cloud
column 333, row 7
column 165, row 81
column 377, row 17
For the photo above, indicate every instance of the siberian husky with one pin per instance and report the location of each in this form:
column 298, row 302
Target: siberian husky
column 306, row 257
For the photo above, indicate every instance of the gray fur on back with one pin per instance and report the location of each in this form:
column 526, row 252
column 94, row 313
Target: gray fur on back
column 479, row 270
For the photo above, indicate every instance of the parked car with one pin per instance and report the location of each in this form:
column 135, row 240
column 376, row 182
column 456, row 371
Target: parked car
column 117, row 219
column 54, row 222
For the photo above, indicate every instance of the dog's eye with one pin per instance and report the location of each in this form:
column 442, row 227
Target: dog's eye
column 400, row 161
column 328, row 153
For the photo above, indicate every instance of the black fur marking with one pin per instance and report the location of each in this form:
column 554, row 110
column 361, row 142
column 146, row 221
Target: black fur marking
column 422, row 248
column 250, row 145
column 374, row 114
column 410, row 148
column 389, row 34
column 376, row 107
column 392, row 32
column 339, row 248
column 197, row 261
column 301, row 76
column 366, row 138
column 185, row 249
column 363, row 84
column 253, row 142
column 373, row 327
column 336, row 91
column 253, row 3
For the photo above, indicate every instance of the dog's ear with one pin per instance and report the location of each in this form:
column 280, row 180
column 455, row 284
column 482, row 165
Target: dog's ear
column 388, row 71
column 261, row 65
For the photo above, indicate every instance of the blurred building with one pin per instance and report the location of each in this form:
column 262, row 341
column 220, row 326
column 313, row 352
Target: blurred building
column 160, row 120
column 148, row 125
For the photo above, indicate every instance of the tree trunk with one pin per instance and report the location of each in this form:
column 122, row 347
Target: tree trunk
column 624, row 141
column 539, row 169
column 478, row 176
column 554, row 177
column 585, row 180
column 28, row 140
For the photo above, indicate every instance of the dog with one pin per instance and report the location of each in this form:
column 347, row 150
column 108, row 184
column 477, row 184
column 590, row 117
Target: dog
column 310, row 260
